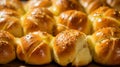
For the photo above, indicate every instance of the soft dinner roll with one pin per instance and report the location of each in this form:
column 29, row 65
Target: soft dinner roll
column 38, row 19
column 70, row 46
column 35, row 48
column 104, row 17
column 7, row 47
column 105, row 46
column 73, row 19
column 9, row 21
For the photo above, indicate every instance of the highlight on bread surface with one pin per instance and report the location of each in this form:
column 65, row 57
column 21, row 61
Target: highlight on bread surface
column 59, row 6
column 70, row 46
column 105, row 46
column 73, row 19
column 38, row 19
column 7, row 47
column 34, row 48
column 104, row 17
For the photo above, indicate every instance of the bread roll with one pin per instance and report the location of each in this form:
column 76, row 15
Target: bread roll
column 104, row 17
column 91, row 5
column 114, row 4
column 37, row 3
column 38, row 19
column 34, row 48
column 70, row 46
column 10, row 23
column 105, row 46
column 60, row 6
column 73, row 19
column 7, row 47
column 12, row 4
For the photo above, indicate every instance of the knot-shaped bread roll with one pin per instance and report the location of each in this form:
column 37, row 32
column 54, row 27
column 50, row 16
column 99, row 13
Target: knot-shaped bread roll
column 12, row 4
column 59, row 6
column 70, row 46
column 73, row 19
column 104, row 17
column 35, row 48
column 10, row 21
column 105, row 46
column 38, row 19
column 7, row 47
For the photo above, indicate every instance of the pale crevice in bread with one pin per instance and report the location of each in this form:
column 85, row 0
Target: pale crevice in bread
column 19, row 45
column 82, row 55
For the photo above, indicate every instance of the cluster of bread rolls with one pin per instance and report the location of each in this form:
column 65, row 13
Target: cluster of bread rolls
column 72, row 32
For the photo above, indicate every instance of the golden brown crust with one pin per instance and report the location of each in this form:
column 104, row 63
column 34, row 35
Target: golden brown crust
column 73, row 19
column 38, row 19
column 106, row 46
column 65, row 42
column 7, row 47
column 34, row 47
column 60, row 6
column 104, row 17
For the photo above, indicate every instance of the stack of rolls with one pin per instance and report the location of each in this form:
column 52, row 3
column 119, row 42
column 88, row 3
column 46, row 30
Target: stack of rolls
column 74, row 32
